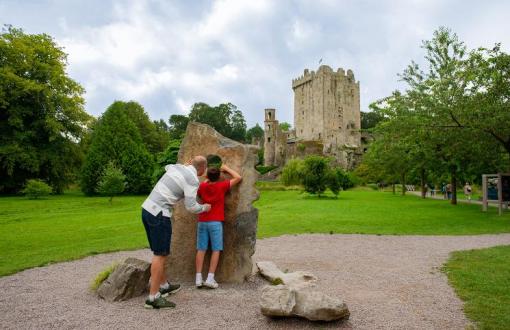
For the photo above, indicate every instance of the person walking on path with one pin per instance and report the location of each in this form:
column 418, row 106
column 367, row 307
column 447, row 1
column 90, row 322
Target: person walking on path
column 179, row 182
column 468, row 191
column 449, row 191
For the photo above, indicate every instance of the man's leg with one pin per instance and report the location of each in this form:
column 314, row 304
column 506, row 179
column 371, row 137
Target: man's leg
column 157, row 273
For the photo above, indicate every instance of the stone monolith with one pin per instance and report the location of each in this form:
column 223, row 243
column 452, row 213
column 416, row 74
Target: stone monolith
column 240, row 226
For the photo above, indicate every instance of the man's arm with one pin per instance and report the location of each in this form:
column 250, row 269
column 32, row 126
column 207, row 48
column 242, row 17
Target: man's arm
column 236, row 178
column 190, row 200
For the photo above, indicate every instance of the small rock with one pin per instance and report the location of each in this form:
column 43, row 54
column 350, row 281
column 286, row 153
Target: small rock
column 295, row 280
column 128, row 280
column 317, row 306
column 277, row 300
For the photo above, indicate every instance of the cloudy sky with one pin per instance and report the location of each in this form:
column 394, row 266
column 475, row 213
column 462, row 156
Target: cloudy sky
column 169, row 54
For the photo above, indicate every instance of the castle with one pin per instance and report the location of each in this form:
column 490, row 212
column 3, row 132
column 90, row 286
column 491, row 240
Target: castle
column 326, row 120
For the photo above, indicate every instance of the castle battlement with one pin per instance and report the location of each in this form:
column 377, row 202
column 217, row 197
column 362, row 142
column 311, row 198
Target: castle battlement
column 323, row 69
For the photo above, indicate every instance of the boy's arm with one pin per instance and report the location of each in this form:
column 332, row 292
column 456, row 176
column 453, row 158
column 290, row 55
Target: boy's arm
column 236, row 178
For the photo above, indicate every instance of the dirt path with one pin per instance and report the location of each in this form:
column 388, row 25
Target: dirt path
column 388, row 282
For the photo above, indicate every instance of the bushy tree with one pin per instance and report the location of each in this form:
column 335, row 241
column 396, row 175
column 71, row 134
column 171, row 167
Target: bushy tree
column 155, row 139
column 169, row 156
column 284, row 126
column 42, row 118
column 292, row 173
column 226, row 118
column 36, row 188
column 254, row 132
column 316, row 174
column 178, row 125
column 116, row 138
column 113, row 181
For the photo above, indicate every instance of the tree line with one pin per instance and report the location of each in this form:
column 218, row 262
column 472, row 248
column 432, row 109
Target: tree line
column 450, row 124
column 46, row 134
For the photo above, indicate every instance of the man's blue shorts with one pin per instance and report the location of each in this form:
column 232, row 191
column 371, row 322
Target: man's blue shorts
column 159, row 232
column 210, row 231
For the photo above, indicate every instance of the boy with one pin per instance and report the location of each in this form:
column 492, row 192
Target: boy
column 210, row 224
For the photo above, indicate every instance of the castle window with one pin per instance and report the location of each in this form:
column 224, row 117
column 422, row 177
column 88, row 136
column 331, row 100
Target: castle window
column 319, row 135
column 269, row 126
column 268, row 139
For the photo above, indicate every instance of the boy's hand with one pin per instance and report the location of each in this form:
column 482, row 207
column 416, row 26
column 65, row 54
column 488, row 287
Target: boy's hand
column 224, row 168
column 207, row 207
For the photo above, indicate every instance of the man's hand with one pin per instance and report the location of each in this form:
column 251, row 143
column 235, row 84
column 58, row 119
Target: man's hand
column 207, row 207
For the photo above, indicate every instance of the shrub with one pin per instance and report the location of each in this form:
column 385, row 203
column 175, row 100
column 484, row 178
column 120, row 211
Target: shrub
column 113, row 181
column 333, row 182
column 102, row 276
column 264, row 169
column 36, row 188
column 292, row 172
column 344, row 178
column 169, row 156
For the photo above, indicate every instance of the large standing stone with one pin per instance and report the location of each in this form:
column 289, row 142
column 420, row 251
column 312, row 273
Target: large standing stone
column 128, row 280
column 240, row 227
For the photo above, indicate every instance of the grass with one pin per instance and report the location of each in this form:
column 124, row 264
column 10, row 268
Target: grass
column 366, row 211
column 481, row 280
column 102, row 276
column 70, row 226
column 59, row 228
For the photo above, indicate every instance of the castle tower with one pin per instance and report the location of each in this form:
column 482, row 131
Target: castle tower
column 327, row 109
column 270, row 134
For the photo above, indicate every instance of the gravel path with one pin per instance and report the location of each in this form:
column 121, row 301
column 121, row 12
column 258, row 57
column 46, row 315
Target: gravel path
column 388, row 282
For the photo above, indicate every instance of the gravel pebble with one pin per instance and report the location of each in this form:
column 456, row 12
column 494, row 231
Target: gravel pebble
column 388, row 282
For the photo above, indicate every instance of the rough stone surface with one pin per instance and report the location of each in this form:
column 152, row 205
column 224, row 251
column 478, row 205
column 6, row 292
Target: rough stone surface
column 277, row 300
column 297, row 297
column 128, row 280
column 317, row 306
column 295, row 280
column 240, row 227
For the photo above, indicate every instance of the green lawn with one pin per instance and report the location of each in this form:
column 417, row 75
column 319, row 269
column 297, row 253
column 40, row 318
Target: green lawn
column 36, row 232
column 371, row 212
column 481, row 279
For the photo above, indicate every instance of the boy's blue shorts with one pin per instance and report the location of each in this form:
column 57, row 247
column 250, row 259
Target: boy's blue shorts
column 210, row 231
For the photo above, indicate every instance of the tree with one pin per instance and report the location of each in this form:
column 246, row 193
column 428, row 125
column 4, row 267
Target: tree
column 316, row 174
column 169, row 156
column 284, row 126
column 112, row 181
column 292, row 173
column 225, row 118
column 178, row 125
column 255, row 132
column 154, row 139
column 42, row 118
column 370, row 119
column 116, row 138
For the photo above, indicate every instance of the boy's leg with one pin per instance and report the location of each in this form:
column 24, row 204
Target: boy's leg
column 215, row 257
column 216, row 233
column 202, row 243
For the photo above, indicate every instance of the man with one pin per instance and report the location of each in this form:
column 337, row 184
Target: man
column 179, row 182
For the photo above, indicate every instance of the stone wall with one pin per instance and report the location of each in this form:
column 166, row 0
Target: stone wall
column 240, row 227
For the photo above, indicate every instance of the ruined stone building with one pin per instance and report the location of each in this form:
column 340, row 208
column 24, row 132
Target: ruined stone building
column 326, row 120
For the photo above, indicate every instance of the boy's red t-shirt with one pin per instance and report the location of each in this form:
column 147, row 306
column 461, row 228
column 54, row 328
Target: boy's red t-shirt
column 213, row 193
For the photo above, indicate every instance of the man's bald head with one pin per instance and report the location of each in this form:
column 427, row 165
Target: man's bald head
column 200, row 164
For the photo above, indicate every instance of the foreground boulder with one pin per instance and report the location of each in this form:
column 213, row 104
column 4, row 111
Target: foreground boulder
column 296, row 296
column 240, row 226
column 128, row 280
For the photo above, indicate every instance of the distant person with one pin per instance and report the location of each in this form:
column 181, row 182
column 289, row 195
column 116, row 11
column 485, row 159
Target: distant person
column 432, row 190
column 179, row 182
column 468, row 191
column 210, row 224
column 449, row 191
column 443, row 190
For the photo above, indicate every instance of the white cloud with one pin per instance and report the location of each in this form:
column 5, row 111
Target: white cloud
column 168, row 55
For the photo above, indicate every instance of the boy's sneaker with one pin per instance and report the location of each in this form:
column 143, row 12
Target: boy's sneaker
column 211, row 284
column 158, row 303
column 199, row 284
column 172, row 288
